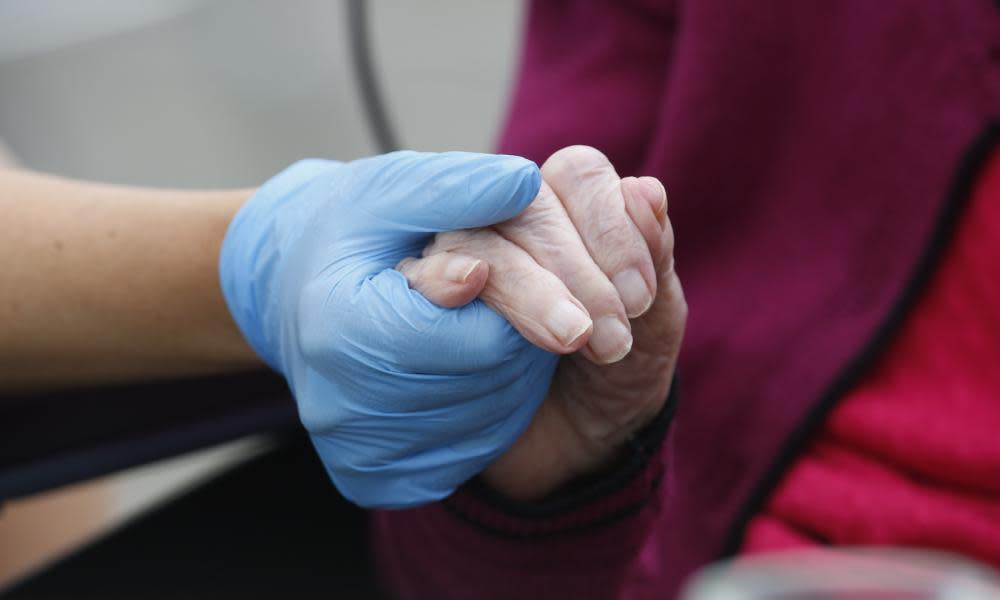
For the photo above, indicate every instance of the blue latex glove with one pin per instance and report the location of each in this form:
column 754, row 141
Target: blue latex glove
column 404, row 400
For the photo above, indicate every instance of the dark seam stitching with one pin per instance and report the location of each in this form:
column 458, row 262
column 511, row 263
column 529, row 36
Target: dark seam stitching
column 564, row 531
column 956, row 200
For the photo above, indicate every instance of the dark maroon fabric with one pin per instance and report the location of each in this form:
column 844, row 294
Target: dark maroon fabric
column 807, row 149
column 911, row 455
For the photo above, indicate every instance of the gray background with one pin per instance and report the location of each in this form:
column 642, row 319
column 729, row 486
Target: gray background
column 226, row 92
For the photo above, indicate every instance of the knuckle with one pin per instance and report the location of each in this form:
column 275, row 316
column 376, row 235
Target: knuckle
column 579, row 157
column 489, row 245
column 606, row 233
column 545, row 204
column 546, row 196
column 451, row 241
column 613, row 237
column 508, row 279
column 615, row 249
column 539, row 221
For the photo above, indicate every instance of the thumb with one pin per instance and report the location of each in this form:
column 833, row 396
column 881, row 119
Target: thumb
column 447, row 279
column 380, row 321
column 432, row 192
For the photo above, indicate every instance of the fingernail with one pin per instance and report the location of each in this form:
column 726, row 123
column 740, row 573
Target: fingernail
column 633, row 291
column 611, row 339
column 567, row 322
column 459, row 268
column 656, row 194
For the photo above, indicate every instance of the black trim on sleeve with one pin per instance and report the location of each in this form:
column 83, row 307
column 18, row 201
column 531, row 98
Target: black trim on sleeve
column 578, row 526
column 643, row 446
column 955, row 203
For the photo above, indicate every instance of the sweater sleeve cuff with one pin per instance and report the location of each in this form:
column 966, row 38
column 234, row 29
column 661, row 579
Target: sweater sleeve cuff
column 616, row 493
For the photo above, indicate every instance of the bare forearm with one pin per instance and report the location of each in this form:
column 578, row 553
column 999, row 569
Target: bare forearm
column 104, row 283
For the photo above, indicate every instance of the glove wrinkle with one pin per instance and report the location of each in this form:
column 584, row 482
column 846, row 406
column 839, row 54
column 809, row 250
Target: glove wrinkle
column 403, row 400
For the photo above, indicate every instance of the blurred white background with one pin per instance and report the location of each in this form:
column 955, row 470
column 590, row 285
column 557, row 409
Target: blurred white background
column 222, row 93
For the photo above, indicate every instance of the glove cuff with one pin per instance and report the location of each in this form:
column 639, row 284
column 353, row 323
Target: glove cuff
column 250, row 256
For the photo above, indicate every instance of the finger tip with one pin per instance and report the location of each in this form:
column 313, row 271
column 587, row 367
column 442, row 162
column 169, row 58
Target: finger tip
column 610, row 359
column 580, row 341
column 640, row 309
column 655, row 193
column 651, row 192
column 620, row 355
column 550, row 343
column 471, row 285
column 637, row 288
column 469, row 289
column 577, row 341
column 477, row 275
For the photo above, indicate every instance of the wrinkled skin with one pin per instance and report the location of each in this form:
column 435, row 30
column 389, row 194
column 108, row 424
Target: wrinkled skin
column 574, row 246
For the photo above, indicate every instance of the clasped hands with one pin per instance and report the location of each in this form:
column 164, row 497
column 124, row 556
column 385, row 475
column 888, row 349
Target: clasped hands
column 585, row 271
column 537, row 332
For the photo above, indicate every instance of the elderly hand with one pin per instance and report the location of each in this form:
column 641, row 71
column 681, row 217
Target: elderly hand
column 587, row 266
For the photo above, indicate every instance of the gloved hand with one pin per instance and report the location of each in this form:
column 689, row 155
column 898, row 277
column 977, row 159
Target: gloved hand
column 404, row 400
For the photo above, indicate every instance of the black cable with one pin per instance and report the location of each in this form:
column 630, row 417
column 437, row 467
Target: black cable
column 361, row 59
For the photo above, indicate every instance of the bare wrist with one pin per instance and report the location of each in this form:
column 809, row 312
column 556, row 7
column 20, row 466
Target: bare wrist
column 548, row 456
